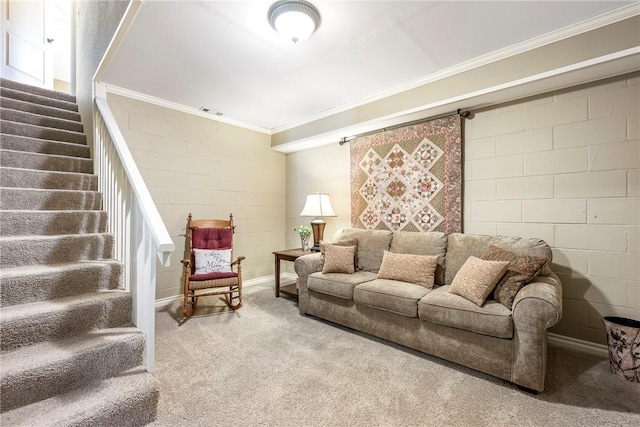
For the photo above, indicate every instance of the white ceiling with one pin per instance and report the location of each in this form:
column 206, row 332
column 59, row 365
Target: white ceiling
column 223, row 55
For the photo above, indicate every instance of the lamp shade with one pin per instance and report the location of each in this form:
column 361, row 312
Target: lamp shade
column 318, row 205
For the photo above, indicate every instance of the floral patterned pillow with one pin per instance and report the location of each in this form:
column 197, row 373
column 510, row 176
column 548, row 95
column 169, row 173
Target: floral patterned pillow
column 339, row 259
column 417, row 269
column 349, row 242
column 521, row 270
column 477, row 278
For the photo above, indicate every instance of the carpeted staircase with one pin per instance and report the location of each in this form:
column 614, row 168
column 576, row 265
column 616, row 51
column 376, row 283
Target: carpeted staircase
column 68, row 353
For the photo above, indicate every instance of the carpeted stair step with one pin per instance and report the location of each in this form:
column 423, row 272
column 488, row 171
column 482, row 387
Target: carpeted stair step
column 48, row 223
column 69, row 355
column 47, row 93
column 22, row 285
column 52, row 180
column 130, row 399
column 40, row 120
column 43, row 146
column 38, row 372
column 28, row 324
column 50, row 162
column 6, row 92
column 38, row 250
column 37, row 199
column 40, row 132
column 16, row 104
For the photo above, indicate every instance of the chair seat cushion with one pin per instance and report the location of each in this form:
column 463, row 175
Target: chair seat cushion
column 218, row 282
column 211, row 276
column 338, row 284
column 444, row 308
column 391, row 295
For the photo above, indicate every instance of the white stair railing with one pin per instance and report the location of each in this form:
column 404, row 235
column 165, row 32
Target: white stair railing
column 140, row 233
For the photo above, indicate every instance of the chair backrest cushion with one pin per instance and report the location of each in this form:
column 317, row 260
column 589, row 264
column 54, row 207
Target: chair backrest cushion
column 211, row 238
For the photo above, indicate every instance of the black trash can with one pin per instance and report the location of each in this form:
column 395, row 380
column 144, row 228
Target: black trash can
column 623, row 339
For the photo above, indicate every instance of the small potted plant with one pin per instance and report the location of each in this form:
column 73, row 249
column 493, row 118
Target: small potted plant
column 304, row 231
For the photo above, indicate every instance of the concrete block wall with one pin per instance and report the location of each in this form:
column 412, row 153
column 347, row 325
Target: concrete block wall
column 564, row 166
column 210, row 169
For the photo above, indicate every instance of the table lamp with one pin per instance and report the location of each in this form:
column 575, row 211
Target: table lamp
column 317, row 205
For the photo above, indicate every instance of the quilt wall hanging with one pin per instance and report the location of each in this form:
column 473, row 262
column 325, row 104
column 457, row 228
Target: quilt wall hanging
column 409, row 178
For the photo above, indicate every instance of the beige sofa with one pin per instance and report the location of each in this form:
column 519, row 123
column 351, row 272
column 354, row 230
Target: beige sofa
column 509, row 343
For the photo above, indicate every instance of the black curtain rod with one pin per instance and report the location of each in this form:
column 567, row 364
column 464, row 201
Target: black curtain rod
column 459, row 112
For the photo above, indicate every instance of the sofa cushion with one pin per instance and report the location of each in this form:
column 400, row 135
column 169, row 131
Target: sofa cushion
column 338, row 284
column 429, row 243
column 371, row 245
column 444, row 308
column 339, row 259
column 521, row 270
column 477, row 278
column 390, row 295
column 462, row 246
column 417, row 269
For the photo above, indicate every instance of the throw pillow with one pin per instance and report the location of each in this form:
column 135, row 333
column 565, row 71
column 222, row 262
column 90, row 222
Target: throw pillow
column 349, row 242
column 521, row 270
column 339, row 259
column 418, row 269
column 212, row 261
column 476, row 279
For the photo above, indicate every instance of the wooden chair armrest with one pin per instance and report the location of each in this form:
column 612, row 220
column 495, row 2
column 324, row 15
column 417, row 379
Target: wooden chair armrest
column 238, row 260
column 186, row 263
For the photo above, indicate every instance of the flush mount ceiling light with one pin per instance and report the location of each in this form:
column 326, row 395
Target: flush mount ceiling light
column 295, row 19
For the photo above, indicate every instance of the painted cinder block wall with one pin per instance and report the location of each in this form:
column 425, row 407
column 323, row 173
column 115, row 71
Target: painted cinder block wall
column 563, row 166
column 208, row 168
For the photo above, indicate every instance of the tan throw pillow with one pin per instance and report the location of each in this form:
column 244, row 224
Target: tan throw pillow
column 418, row 269
column 476, row 279
column 521, row 270
column 339, row 259
column 349, row 242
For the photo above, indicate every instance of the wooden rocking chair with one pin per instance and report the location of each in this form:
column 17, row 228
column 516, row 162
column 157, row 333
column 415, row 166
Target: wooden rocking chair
column 209, row 270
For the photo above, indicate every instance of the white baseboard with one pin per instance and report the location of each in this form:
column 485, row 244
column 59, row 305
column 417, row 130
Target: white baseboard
column 163, row 302
column 579, row 345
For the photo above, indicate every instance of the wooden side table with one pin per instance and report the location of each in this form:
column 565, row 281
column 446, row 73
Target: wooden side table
column 287, row 255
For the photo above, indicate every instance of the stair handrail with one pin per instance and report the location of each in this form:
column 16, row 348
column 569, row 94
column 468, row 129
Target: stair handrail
column 161, row 236
column 138, row 229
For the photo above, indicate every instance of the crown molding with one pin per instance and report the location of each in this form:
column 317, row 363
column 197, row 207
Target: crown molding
column 117, row 90
column 591, row 24
column 609, row 65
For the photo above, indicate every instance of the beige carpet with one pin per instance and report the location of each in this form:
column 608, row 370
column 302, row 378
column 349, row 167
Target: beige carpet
column 268, row 366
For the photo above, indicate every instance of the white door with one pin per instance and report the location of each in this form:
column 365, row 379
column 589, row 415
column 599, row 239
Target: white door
column 26, row 47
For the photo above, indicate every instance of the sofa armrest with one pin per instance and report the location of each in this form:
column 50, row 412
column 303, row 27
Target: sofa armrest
column 537, row 307
column 546, row 289
column 304, row 266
